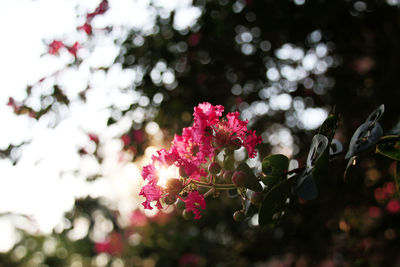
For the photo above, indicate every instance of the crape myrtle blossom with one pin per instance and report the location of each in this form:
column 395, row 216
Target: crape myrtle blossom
column 191, row 153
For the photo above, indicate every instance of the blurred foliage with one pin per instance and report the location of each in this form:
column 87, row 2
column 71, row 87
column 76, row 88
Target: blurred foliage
column 271, row 60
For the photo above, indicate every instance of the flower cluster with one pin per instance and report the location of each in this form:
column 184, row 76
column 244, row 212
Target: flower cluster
column 56, row 45
column 100, row 9
column 387, row 194
column 188, row 161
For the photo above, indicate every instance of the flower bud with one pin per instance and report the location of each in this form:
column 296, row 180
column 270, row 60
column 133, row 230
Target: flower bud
column 228, row 176
column 180, row 205
column 235, row 143
column 256, row 198
column 174, row 186
column 170, row 199
column 188, row 215
column 214, row 168
column 239, row 216
column 239, row 179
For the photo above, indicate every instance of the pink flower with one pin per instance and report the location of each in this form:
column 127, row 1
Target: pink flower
column 138, row 136
column 151, row 192
column 74, row 49
column 380, row 195
column 194, row 39
column 149, row 173
column 374, row 212
column 94, row 138
column 11, row 102
column 393, row 206
column 389, row 188
column 86, row 28
column 194, row 202
column 206, row 114
column 189, row 148
column 138, row 218
column 126, row 139
column 189, row 260
column 101, row 9
column 250, row 143
column 192, row 150
column 166, row 157
column 55, row 46
column 112, row 245
column 102, row 247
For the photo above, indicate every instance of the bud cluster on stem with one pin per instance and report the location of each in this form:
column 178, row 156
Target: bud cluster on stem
column 193, row 156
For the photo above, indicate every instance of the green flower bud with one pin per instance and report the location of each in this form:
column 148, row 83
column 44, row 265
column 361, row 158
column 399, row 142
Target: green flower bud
column 174, row 186
column 170, row 199
column 239, row 216
column 239, row 179
column 180, row 205
column 228, row 176
column 214, row 168
column 188, row 215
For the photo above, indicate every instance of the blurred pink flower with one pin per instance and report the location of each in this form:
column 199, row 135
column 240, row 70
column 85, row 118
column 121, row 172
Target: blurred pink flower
column 393, row 206
column 73, row 50
column 138, row 218
column 86, row 28
column 94, row 138
column 113, row 245
column 126, row 139
column 101, row 9
column 374, row 212
column 189, row 260
column 55, row 46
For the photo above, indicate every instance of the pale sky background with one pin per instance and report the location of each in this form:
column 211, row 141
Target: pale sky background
column 35, row 186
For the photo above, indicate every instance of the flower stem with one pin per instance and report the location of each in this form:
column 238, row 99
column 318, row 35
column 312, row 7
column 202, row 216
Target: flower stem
column 216, row 186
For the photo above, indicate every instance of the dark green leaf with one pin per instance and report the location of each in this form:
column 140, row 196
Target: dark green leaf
column 318, row 146
column 329, row 126
column 364, row 138
column 274, row 166
column 110, row 121
column 389, row 146
column 367, row 135
column 274, row 201
column 306, row 187
column 336, row 147
column 251, row 181
column 376, row 114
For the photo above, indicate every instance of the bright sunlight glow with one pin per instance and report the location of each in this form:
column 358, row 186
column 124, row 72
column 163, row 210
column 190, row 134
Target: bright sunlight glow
column 164, row 174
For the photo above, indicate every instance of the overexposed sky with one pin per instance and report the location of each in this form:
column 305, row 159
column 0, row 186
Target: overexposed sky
column 41, row 184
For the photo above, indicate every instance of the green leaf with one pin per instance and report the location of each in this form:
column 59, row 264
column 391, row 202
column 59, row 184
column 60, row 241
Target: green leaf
column 306, row 187
column 376, row 114
column 274, row 166
column 329, row 126
column 274, row 201
column 251, row 181
column 364, row 138
column 367, row 135
column 389, row 146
